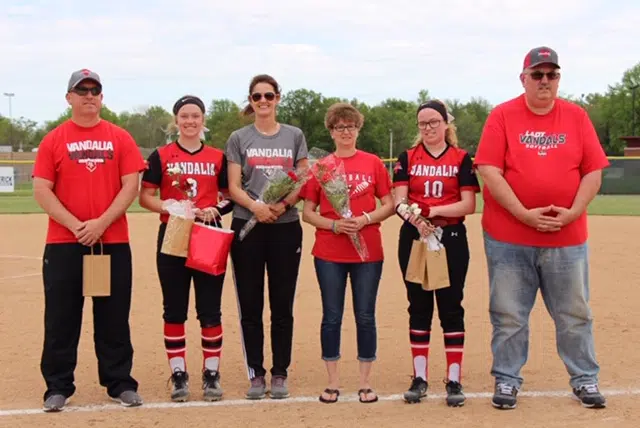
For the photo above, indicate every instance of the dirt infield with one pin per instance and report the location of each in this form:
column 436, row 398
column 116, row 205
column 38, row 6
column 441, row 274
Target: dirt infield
column 544, row 402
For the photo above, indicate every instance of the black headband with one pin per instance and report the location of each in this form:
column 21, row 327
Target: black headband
column 437, row 106
column 187, row 99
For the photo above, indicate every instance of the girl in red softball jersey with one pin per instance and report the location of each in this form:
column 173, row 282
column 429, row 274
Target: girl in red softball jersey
column 205, row 168
column 438, row 176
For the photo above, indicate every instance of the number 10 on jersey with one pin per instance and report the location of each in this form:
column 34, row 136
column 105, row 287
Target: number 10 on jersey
column 433, row 189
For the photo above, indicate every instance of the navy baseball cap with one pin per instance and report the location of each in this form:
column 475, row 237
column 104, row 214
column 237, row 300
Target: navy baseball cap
column 80, row 76
column 540, row 55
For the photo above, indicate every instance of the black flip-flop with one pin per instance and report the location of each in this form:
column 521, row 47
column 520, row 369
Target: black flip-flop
column 330, row 392
column 367, row 391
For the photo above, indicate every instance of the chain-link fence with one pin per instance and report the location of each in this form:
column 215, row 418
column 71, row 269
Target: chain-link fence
column 621, row 178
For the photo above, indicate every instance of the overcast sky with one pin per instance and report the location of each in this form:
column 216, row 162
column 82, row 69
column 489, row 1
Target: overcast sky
column 152, row 52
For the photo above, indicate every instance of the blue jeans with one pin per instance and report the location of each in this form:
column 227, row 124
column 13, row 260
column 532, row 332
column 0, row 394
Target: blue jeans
column 365, row 278
column 562, row 275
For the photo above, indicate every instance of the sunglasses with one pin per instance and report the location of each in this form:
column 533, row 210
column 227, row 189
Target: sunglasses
column 83, row 90
column 257, row 96
column 538, row 75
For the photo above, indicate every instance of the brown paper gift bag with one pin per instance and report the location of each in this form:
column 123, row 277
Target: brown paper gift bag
column 437, row 270
column 96, row 274
column 416, row 268
column 177, row 236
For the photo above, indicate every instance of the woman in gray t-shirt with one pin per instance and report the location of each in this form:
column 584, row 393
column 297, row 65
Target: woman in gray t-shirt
column 275, row 242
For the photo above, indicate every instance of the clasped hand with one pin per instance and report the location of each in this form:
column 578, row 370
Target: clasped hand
column 89, row 232
column 424, row 227
column 549, row 219
column 350, row 226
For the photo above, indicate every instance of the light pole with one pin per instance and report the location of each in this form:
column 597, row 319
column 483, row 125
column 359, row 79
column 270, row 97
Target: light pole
column 634, row 87
column 391, row 163
column 11, row 95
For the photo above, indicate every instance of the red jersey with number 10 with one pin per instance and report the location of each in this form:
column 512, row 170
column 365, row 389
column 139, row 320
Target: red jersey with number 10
column 207, row 166
column 435, row 180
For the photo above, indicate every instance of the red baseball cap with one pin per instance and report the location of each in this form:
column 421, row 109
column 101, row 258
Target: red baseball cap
column 540, row 55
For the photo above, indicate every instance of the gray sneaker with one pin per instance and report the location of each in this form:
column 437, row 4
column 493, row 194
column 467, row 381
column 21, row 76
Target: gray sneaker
column 279, row 388
column 590, row 397
column 258, row 388
column 129, row 399
column 505, row 396
column 55, row 403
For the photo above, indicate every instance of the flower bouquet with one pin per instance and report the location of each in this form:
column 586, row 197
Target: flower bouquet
column 330, row 173
column 432, row 239
column 280, row 184
column 181, row 216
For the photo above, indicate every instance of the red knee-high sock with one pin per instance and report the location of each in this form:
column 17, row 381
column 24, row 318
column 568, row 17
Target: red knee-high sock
column 420, row 352
column 176, row 346
column 454, row 349
column 211, row 347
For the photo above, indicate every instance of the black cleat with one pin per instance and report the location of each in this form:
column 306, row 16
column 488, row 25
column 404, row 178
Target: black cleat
column 455, row 397
column 417, row 391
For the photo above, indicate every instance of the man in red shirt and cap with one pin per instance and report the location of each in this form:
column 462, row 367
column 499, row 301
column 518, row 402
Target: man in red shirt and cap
column 541, row 163
column 86, row 175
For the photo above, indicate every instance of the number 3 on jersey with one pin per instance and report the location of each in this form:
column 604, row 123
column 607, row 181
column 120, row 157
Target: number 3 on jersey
column 433, row 189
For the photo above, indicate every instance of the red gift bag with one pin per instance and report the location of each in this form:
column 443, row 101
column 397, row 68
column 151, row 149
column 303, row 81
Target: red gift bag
column 209, row 248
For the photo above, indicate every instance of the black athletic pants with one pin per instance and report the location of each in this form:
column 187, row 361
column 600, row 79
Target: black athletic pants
column 449, row 300
column 277, row 246
column 62, row 276
column 175, row 280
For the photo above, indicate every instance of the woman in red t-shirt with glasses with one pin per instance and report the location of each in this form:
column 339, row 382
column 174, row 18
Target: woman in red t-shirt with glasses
column 335, row 256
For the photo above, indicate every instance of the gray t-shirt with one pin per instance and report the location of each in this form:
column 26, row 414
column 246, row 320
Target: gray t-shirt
column 258, row 153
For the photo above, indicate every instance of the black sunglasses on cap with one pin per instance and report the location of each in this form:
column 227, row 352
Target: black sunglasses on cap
column 83, row 90
column 257, row 96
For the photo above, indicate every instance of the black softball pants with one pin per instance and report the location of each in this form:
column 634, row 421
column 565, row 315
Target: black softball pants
column 449, row 299
column 278, row 247
column 175, row 281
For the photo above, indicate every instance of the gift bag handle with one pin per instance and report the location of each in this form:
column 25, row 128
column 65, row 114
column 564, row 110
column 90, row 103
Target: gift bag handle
column 216, row 223
column 101, row 247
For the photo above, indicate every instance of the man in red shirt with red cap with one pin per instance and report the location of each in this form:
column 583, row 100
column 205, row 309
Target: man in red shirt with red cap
column 541, row 162
column 86, row 175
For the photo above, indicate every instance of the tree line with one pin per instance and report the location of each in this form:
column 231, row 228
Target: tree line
column 391, row 121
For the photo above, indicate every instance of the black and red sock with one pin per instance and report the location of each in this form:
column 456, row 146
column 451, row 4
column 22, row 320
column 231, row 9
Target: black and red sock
column 211, row 347
column 454, row 349
column 175, row 346
column 420, row 352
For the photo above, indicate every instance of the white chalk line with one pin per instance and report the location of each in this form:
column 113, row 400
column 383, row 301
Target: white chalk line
column 20, row 276
column 17, row 257
column 299, row 400
column 11, row 256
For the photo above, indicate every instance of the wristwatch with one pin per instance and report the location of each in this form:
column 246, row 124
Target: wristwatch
column 287, row 205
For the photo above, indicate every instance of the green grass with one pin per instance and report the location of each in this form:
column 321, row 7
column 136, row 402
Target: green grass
column 22, row 202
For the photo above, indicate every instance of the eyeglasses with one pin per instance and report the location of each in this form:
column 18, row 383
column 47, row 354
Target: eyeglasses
column 538, row 75
column 257, row 96
column 433, row 124
column 83, row 90
column 342, row 128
